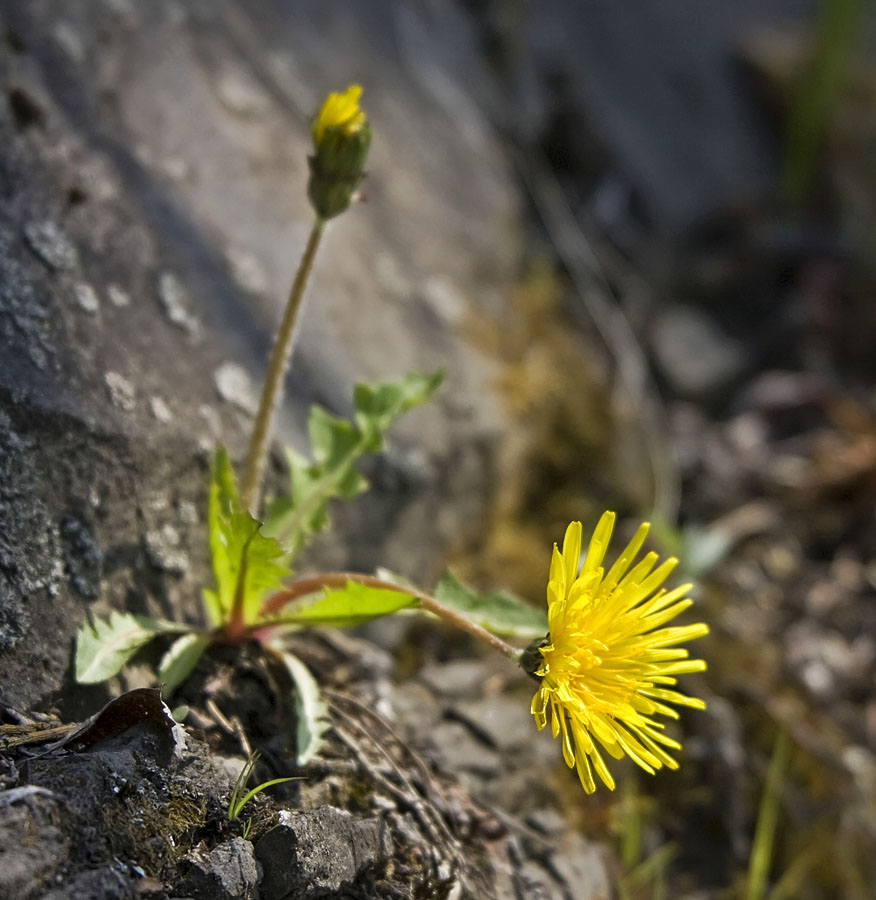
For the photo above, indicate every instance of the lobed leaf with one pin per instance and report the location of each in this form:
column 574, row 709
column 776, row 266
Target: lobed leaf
column 499, row 612
column 246, row 563
column 379, row 406
column 102, row 648
column 337, row 444
column 349, row 605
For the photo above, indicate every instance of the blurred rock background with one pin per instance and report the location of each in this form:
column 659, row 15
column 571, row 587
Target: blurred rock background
column 638, row 238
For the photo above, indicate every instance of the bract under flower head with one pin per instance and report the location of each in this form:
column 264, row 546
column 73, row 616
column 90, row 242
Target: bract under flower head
column 339, row 111
column 608, row 665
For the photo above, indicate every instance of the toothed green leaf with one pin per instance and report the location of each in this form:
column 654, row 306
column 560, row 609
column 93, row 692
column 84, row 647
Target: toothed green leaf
column 349, row 605
column 336, row 445
column 379, row 406
column 500, row 612
column 246, row 563
column 104, row 647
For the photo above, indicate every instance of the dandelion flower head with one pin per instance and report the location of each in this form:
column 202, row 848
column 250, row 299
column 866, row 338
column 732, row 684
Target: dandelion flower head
column 339, row 111
column 608, row 665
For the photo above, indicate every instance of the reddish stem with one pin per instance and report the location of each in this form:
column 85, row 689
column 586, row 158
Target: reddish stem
column 313, row 584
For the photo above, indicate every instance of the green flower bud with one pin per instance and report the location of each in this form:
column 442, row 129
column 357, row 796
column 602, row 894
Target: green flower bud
column 341, row 139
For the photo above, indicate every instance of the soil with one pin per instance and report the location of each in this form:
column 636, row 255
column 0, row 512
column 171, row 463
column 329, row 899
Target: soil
column 133, row 804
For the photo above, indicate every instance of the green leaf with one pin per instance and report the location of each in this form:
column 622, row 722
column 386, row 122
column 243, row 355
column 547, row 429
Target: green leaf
column 310, row 709
column 349, row 605
column 180, row 659
column 246, row 563
column 500, row 612
column 104, row 647
column 378, row 406
column 337, row 444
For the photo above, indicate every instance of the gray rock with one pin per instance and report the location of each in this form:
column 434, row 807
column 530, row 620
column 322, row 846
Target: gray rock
column 106, row 883
column 458, row 678
column 693, row 354
column 655, row 82
column 22, row 525
column 83, row 558
column 536, row 884
column 227, row 872
column 827, row 663
column 443, row 205
column 505, row 722
column 26, row 864
column 23, row 312
column 459, row 750
column 319, row 853
column 579, row 865
column 547, row 821
column 416, row 706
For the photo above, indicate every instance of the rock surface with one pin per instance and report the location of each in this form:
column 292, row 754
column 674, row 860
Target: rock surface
column 154, row 162
column 227, row 872
column 319, row 853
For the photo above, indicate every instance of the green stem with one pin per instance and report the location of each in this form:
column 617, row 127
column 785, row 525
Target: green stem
column 315, row 583
column 272, row 392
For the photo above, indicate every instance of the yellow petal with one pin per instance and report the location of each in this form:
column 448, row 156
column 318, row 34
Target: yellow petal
column 572, row 552
column 599, row 543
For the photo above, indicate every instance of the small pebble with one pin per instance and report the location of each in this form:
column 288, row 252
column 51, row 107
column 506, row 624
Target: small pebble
column 176, row 167
column 70, row 41
column 162, row 547
column 235, row 386
column 247, row 270
column 241, row 96
column 122, row 392
column 443, row 298
column 212, row 420
column 174, row 300
column 160, row 410
column 51, row 245
column 118, row 296
column 86, row 298
column 188, row 512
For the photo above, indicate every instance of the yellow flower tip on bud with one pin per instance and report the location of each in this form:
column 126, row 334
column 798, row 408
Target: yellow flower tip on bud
column 339, row 111
column 341, row 140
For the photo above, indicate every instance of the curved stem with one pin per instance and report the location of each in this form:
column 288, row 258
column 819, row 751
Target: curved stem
column 272, row 392
column 310, row 585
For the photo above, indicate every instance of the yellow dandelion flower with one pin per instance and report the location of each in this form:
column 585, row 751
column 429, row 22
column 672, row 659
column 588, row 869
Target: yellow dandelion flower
column 607, row 665
column 339, row 110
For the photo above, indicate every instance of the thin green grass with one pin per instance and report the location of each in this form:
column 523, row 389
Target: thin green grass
column 238, row 799
column 760, row 861
column 839, row 26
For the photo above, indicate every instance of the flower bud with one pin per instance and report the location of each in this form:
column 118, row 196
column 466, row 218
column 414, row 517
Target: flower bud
column 341, row 138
